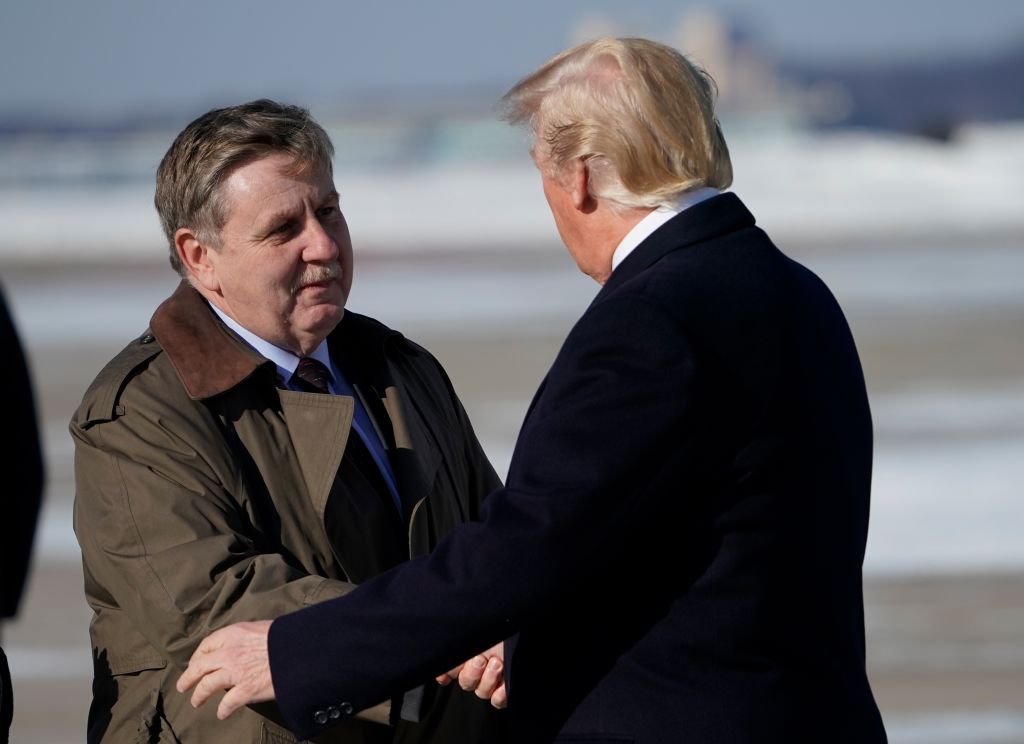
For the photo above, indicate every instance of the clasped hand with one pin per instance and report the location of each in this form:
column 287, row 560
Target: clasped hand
column 235, row 659
column 483, row 675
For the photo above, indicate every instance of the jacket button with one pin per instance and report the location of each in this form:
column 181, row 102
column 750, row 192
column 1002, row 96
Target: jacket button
column 347, row 709
column 333, row 713
column 147, row 338
column 320, row 717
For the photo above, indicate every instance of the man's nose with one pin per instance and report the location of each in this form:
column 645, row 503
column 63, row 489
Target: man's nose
column 320, row 246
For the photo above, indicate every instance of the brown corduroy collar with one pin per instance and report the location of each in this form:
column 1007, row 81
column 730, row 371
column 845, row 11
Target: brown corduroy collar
column 208, row 358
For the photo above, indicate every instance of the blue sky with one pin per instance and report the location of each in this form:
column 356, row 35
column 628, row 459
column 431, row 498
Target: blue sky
column 107, row 57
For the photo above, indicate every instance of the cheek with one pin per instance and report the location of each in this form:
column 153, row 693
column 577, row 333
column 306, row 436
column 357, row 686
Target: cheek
column 346, row 259
column 345, row 254
column 283, row 276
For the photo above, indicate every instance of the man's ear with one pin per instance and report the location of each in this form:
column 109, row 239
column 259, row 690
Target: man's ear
column 578, row 180
column 194, row 255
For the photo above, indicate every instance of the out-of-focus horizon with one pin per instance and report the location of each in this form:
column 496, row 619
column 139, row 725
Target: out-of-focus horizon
column 117, row 59
column 918, row 66
column 837, row 118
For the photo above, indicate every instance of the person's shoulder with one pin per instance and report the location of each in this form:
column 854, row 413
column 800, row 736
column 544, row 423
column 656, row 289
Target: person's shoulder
column 417, row 366
column 688, row 273
column 371, row 332
column 365, row 328
column 102, row 398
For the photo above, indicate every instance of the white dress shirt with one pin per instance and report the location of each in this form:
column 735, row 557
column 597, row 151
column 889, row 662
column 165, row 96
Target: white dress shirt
column 642, row 230
column 286, row 363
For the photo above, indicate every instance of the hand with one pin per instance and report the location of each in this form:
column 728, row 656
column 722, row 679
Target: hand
column 482, row 675
column 234, row 659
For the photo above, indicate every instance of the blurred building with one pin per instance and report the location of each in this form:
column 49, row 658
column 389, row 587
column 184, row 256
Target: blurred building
column 932, row 98
column 746, row 74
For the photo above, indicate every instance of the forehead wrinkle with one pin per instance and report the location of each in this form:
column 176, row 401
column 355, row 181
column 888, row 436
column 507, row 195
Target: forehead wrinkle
column 296, row 202
column 282, row 196
column 262, row 199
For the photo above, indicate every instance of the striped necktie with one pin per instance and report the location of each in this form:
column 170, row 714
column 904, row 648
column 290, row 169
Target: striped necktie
column 312, row 376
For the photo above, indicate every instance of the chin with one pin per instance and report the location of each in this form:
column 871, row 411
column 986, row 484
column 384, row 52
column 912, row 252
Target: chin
column 321, row 320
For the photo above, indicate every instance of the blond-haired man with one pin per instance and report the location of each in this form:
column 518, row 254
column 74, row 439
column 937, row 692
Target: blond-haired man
column 677, row 552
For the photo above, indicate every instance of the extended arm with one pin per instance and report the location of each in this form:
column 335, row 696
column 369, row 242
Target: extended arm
column 620, row 390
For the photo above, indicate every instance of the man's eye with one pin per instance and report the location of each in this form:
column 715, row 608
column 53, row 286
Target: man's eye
column 284, row 228
column 330, row 210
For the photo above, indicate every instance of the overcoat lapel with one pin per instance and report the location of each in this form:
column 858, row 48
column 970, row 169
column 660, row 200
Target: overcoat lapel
column 414, row 461
column 319, row 427
column 404, row 430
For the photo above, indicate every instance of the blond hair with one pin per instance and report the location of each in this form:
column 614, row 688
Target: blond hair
column 208, row 150
column 639, row 114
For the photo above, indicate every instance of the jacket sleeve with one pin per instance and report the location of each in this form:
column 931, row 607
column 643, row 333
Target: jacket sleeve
column 618, row 398
column 168, row 529
column 23, row 466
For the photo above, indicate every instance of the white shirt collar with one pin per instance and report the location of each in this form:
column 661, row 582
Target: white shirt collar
column 285, row 360
column 643, row 229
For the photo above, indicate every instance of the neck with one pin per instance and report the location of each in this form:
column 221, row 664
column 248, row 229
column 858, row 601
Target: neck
column 604, row 229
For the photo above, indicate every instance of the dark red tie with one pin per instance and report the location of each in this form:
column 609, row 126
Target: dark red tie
column 312, row 376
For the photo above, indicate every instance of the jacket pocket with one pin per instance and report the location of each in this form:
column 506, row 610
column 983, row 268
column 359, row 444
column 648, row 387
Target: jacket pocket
column 154, row 728
column 132, row 663
column 127, row 704
column 271, row 734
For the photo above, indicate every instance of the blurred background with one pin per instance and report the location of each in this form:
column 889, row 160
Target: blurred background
column 880, row 143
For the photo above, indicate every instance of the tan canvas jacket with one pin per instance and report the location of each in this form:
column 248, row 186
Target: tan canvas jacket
column 201, row 488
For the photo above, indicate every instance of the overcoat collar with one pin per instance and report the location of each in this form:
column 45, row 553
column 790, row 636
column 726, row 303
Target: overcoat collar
column 709, row 219
column 210, row 359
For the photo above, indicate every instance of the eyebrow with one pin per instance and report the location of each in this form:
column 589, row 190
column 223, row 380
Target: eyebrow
column 266, row 225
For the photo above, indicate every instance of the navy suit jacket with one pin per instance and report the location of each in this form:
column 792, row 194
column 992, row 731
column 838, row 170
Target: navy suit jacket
column 677, row 552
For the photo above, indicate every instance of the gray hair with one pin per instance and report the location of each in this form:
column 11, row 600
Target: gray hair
column 190, row 176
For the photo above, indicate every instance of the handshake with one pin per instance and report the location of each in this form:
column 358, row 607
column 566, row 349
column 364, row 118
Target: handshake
column 235, row 659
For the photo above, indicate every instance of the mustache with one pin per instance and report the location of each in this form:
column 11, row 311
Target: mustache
column 317, row 274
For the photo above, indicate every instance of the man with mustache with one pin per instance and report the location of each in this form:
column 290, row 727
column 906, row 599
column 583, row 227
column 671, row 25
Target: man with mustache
column 259, row 448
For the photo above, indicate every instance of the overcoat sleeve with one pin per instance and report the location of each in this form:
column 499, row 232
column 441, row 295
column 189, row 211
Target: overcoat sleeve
column 168, row 528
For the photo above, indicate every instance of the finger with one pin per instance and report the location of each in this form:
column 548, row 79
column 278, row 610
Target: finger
column 188, row 678
column 198, row 666
column 218, row 679
column 200, row 662
column 212, row 642
column 500, row 697
column 234, row 699
column 490, row 680
column 451, row 674
column 471, row 673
